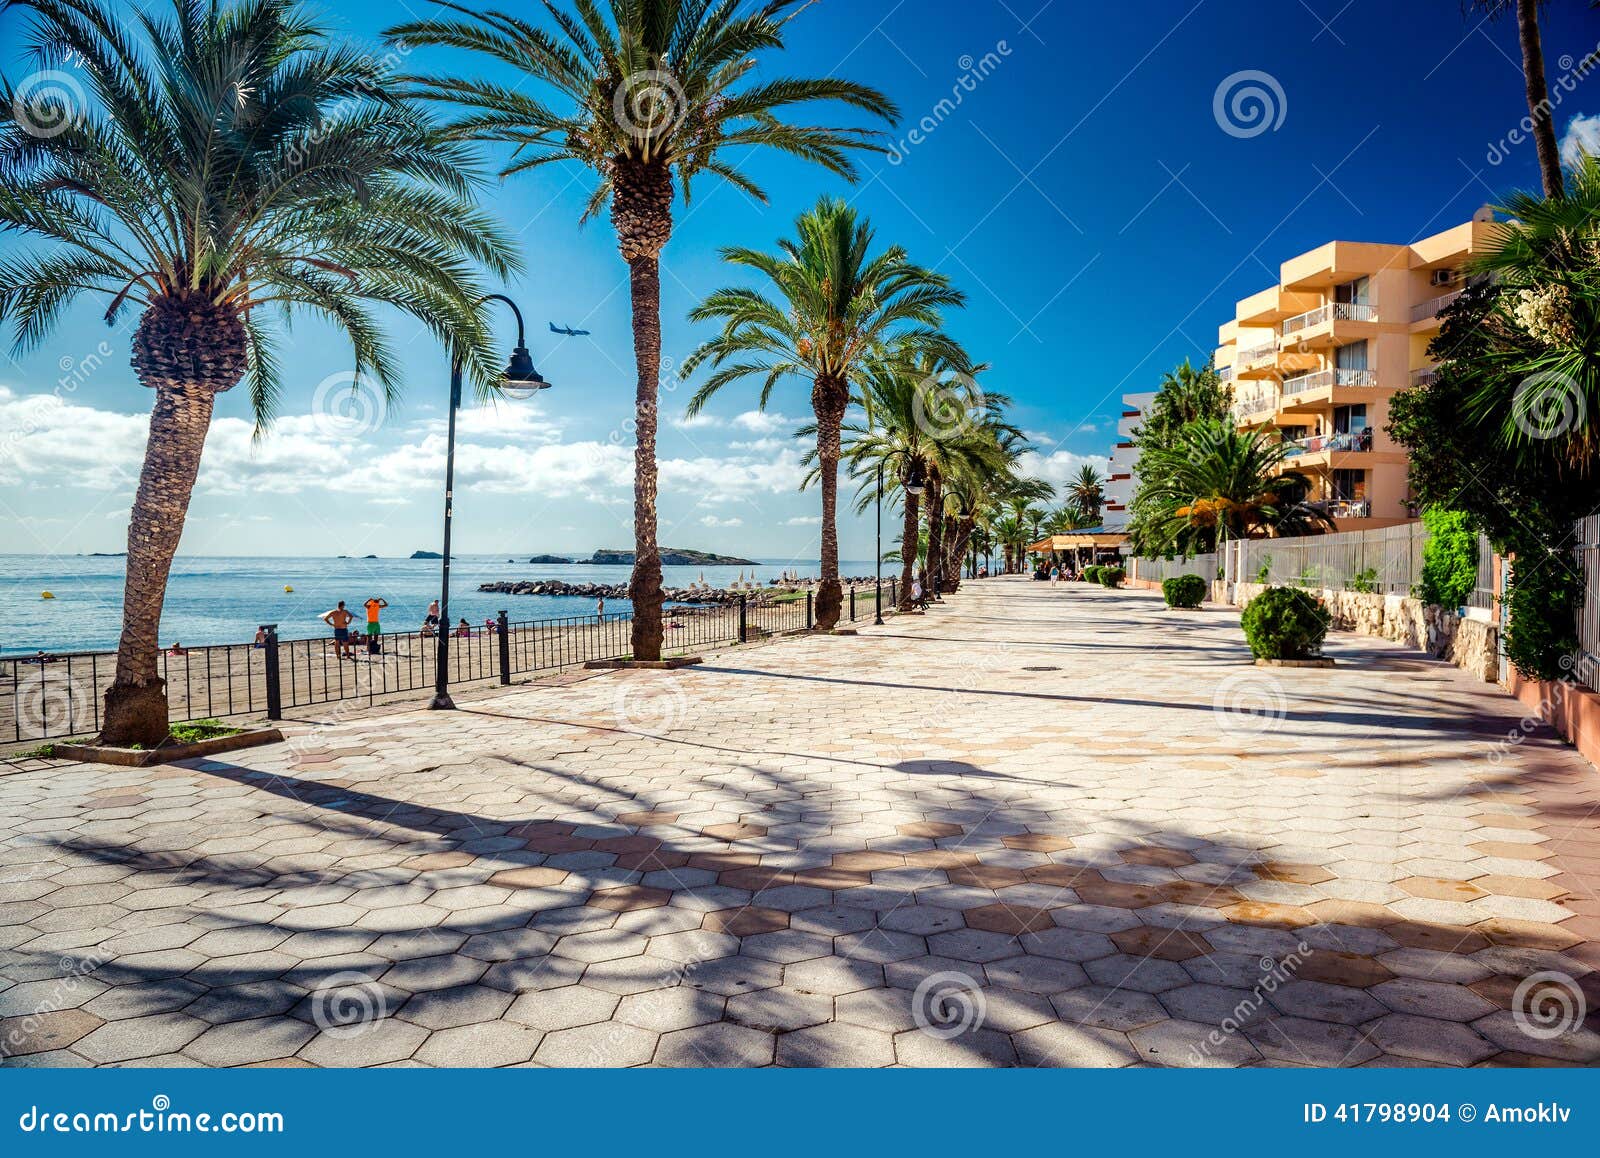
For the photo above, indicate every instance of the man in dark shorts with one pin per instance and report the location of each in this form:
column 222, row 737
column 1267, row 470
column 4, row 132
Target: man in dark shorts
column 340, row 619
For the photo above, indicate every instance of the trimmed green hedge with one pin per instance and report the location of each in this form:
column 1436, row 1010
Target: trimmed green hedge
column 1111, row 576
column 1091, row 573
column 1183, row 591
column 1285, row 623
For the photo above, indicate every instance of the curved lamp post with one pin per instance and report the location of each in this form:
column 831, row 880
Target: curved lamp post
column 518, row 380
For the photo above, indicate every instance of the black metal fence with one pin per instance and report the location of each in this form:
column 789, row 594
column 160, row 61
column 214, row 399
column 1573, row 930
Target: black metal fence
column 61, row 694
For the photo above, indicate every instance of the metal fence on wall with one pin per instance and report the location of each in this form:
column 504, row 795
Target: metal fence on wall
column 1157, row 570
column 58, row 695
column 1588, row 665
column 1386, row 560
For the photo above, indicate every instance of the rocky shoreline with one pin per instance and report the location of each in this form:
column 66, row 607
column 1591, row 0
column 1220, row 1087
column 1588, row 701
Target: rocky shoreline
column 706, row 595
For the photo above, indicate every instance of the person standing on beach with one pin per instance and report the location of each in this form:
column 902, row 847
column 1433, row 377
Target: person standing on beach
column 375, row 608
column 340, row 619
column 600, row 609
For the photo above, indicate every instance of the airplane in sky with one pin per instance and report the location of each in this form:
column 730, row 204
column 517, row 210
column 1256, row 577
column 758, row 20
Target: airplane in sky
column 567, row 330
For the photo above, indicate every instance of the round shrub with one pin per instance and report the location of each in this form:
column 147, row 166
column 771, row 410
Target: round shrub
column 1285, row 623
column 1091, row 573
column 1111, row 576
column 1183, row 591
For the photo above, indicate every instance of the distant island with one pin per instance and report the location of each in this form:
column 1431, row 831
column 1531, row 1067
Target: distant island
column 549, row 559
column 674, row 557
column 426, row 555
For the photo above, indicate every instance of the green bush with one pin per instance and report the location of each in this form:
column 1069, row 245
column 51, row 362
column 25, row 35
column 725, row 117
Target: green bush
column 1111, row 576
column 1285, row 623
column 1449, row 558
column 1363, row 582
column 1264, row 572
column 1183, row 591
column 1091, row 573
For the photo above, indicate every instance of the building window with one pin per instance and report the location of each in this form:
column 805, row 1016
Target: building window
column 1358, row 292
column 1349, row 485
column 1350, row 419
column 1352, row 356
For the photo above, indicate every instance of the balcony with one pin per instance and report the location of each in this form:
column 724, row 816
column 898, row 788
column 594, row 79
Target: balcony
column 1345, row 508
column 1256, row 362
column 1324, row 315
column 1225, row 373
column 1429, row 310
column 1252, row 406
column 1326, row 379
column 1355, row 442
column 1426, row 376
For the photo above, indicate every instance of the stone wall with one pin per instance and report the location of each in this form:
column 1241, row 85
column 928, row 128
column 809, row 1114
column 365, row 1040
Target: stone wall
column 1470, row 644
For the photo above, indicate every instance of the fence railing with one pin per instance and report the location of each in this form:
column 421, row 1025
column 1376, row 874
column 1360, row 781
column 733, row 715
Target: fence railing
column 58, row 695
column 1334, row 311
column 1387, row 560
column 1156, row 570
column 1588, row 540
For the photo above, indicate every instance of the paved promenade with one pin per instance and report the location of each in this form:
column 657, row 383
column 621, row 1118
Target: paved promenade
column 1033, row 827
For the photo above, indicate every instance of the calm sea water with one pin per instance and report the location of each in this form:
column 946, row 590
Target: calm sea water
column 222, row 600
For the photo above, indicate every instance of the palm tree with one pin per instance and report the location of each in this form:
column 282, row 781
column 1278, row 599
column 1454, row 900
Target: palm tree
column 969, row 482
column 898, row 439
column 1216, row 483
column 234, row 158
column 1539, row 373
column 1186, row 393
column 1086, row 490
column 1535, row 87
column 839, row 311
column 654, row 93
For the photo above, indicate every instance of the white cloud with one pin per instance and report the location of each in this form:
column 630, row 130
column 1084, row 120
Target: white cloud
column 804, row 521
column 714, row 521
column 51, row 441
column 1060, row 466
column 701, row 421
column 762, row 421
column 1582, row 137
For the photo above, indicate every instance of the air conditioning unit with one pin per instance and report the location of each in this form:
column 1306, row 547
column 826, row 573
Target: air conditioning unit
column 1443, row 277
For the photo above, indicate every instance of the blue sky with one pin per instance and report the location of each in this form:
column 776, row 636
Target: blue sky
column 1082, row 191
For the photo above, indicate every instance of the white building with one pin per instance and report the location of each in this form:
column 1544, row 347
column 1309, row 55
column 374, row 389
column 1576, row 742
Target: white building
column 1122, row 479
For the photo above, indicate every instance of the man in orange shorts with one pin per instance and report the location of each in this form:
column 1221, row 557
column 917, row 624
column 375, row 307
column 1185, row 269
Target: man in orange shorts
column 375, row 608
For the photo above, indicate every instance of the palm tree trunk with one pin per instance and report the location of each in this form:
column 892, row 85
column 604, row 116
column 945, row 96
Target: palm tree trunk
column 644, row 587
column 829, row 400
column 908, row 549
column 136, row 701
column 934, row 583
column 1539, row 111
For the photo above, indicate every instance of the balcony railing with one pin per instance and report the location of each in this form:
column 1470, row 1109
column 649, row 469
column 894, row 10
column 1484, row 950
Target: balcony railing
column 1225, row 373
column 1332, row 312
column 1253, row 404
column 1356, row 441
column 1425, row 376
column 1431, row 308
column 1254, row 354
column 1346, row 508
column 1319, row 379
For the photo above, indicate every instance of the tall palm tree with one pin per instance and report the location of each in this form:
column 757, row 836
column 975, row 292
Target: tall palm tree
column 837, row 311
column 234, row 161
column 652, row 94
column 1540, row 369
column 1087, row 491
column 1535, row 87
column 897, row 439
column 1218, row 482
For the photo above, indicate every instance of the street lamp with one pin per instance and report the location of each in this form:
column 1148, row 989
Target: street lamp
column 518, row 380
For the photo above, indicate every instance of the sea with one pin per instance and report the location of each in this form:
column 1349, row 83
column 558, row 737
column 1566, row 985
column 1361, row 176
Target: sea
column 213, row 600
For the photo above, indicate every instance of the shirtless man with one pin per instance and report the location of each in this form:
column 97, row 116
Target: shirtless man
column 340, row 619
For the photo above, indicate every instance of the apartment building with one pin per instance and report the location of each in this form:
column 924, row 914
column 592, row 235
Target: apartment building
column 1319, row 355
column 1121, row 479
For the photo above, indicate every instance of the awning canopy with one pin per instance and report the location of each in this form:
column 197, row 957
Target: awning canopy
column 1090, row 537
